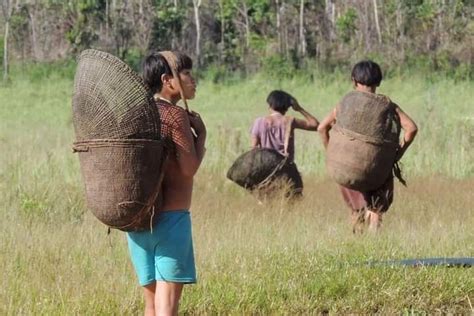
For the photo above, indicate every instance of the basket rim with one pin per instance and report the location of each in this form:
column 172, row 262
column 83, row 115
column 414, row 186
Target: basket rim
column 118, row 140
column 114, row 60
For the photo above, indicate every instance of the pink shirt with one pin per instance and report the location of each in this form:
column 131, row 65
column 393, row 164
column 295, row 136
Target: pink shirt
column 271, row 134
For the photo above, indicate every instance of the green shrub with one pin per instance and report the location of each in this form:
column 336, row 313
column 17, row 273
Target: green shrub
column 346, row 25
column 37, row 72
column 133, row 58
column 278, row 67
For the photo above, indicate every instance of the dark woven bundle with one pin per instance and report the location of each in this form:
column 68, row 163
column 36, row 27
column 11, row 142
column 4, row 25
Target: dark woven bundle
column 364, row 141
column 122, row 180
column 260, row 166
column 111, row 101
column 117, row 128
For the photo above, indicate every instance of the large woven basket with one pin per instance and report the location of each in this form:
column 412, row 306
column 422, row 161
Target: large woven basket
column 363, row 143
column 122, row 180
column 259, row 167
column 117, row 129
column 356, row 163
column 111, row 101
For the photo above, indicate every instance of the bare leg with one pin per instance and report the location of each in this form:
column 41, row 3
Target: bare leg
column 167, row 298
column 149, row 291
column 374, row 219
column 358, row 218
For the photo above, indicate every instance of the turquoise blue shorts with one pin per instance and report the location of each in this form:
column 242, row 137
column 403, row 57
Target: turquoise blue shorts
column 166, row 252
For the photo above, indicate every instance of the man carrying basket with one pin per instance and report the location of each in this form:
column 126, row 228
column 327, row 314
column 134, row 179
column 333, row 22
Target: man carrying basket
column 163, row 257
column 364, row 147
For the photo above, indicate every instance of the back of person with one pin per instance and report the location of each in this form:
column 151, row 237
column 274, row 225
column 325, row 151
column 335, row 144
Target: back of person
column 369, row 114
column 276, row 131
column 364, row 143
column 271, row 131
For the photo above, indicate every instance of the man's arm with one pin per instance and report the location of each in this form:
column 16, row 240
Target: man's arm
column 199, row 128
column 189, row 150
column 254, row 142
column 254, row 132
column 310, row 123
column 326, row 126
column 409, row 132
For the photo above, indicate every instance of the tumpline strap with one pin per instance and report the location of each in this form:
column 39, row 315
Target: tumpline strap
column 289, row 125
column 397, row 172
column 171, row 59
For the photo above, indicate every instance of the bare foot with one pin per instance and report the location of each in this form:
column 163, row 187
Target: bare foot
column 358, row 220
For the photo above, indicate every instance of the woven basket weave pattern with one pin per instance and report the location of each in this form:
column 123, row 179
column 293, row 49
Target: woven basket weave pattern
column 363, row 143
column 111, row 101
column 121, row 153
column 121, row 179
column 253, row 167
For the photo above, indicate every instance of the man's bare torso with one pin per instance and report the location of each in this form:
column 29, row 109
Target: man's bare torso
column 176, row 187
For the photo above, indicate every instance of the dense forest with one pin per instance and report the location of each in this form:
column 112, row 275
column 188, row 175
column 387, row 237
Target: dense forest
column 246, row 35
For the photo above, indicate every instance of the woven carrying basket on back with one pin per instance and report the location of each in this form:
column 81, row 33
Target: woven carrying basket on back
column 258, row 167
column 122, row 180
column 364, row 141
column 118, row 141
column 111, row 101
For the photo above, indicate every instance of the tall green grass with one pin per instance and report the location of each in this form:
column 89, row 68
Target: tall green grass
column 271, row 258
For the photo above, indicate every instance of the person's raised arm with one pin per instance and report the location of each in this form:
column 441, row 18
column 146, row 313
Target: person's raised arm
column 325, row 126
column 310, row 123
column 409, row 132
column 255, row 138
column 189, row 149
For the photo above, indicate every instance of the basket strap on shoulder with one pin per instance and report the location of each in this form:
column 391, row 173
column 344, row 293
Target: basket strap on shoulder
column 170, row 58
column 288, row 128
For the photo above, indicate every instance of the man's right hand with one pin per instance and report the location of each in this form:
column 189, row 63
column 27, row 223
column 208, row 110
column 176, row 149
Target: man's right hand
column 197, row 123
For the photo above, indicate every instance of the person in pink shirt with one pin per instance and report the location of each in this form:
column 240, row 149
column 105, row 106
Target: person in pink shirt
column 269, row 131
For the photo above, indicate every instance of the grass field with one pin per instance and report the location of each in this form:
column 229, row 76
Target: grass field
column 275, row 258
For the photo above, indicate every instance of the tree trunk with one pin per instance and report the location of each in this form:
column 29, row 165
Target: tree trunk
column 107, row 19
column 7, row 8
column 34, row 42
column 247, row 25
column 222, row 44
column 5, row 50
column 331, row 17
column 367, row 29
column 285, row 30
column 377, row 25
column 400, row 39
column 302, row 36
column 278, row 25
column 196, row 5
column 174, row 42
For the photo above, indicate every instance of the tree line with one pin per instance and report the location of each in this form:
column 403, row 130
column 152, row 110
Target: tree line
column 245, row 35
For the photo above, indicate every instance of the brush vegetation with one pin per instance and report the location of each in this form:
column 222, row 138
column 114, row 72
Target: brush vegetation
column 275, row 257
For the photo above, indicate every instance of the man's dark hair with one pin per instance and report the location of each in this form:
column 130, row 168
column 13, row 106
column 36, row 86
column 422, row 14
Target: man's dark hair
column 280, row 101
column 154, row 66
column 367, row 72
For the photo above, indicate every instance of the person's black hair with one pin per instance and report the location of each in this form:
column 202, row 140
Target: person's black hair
column 280, row 101
column 367, row 72
column 154, row 66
